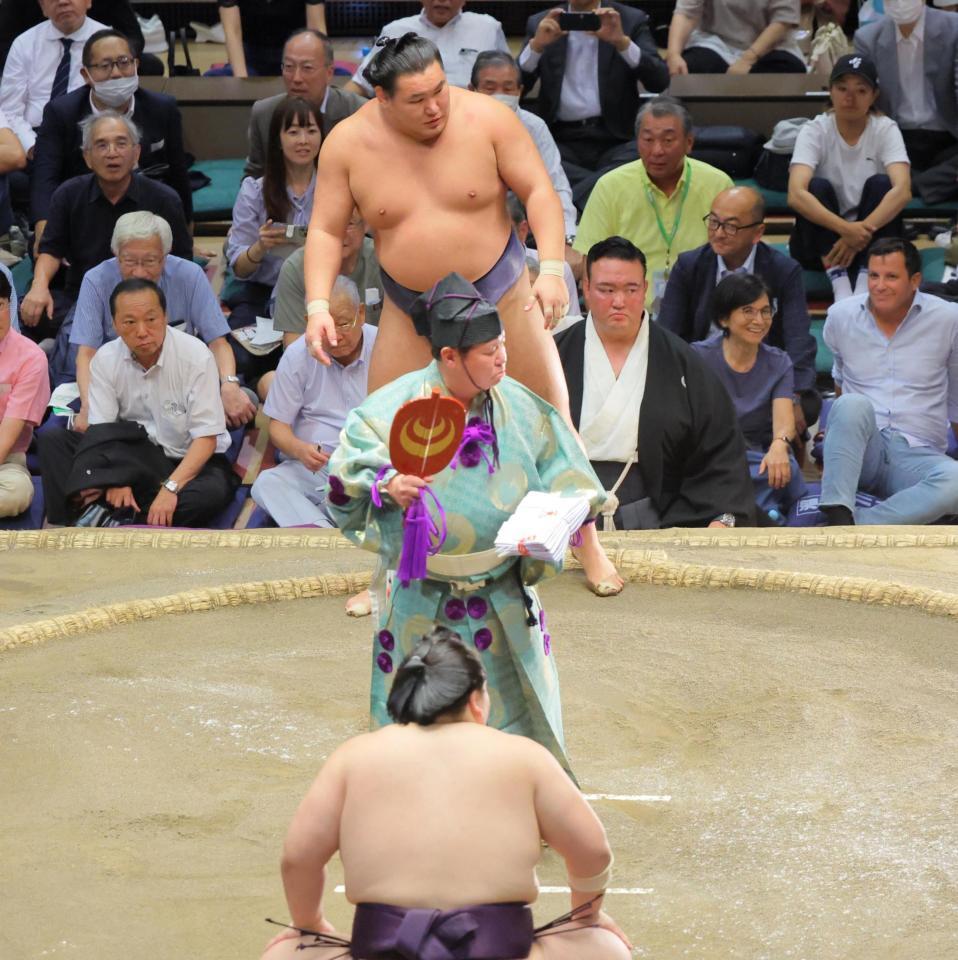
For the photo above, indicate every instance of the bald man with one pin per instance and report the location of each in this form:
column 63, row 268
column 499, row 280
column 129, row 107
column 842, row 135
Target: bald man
column 736, row 224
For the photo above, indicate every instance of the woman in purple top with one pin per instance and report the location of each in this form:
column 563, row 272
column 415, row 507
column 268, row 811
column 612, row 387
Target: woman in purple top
column 760, row 381
column 258, row 240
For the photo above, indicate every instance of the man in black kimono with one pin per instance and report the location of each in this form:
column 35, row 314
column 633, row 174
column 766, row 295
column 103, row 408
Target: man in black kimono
column 658, row 426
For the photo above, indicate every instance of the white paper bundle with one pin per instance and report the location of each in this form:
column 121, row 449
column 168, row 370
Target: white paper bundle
column 541, row 526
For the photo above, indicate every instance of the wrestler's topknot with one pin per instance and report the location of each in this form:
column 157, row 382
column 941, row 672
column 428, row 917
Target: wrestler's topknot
column 399, row 56
column 437, row 678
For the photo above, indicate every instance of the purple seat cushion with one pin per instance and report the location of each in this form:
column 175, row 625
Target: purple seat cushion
column 259, row 519
column 32, row 517
column 805, row 512
column 228, row 516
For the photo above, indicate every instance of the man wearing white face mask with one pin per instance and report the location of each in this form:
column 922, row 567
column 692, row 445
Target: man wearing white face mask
column 497, row 74
column 110, row 74
column 915, row 50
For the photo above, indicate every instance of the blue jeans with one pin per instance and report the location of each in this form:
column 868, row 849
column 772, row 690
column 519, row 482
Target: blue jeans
column 765, row 496
column 919, row 484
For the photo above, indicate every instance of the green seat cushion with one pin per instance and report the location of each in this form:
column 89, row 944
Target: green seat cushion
column 22, row 274
column 215, row 202
column 776, row 202
column 824, row 358
column 946, row 208
column 932, row 264
column 817, row 286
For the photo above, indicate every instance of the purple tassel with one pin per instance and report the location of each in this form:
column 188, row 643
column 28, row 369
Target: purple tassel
column 470, row 453
column 422, row 538
column 374, row 494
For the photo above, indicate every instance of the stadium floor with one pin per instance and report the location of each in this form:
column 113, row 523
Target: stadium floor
column 777, row 765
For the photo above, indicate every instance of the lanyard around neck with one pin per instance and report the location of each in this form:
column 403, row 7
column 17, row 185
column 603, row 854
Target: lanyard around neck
column 669, row 238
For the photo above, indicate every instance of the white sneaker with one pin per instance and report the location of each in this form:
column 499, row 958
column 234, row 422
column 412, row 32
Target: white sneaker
column 154, row 34
column 206, row 34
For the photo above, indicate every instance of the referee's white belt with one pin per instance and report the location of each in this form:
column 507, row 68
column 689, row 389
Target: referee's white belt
column 454, row 565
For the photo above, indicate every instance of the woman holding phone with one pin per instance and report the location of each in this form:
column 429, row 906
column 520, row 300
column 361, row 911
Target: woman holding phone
column 266, row 206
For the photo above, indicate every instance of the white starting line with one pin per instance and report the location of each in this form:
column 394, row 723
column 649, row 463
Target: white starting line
column 628, row 891
column 634, row 797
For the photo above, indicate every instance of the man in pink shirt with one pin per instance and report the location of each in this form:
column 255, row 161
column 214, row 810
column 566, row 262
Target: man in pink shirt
column 24, row 395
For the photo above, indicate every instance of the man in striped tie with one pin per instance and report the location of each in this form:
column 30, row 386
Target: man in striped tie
column 44, row 63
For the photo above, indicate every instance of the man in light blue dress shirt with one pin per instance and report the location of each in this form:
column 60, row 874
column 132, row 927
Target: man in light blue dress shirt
column 896, row 367
column 307, row 405
column 141, row 244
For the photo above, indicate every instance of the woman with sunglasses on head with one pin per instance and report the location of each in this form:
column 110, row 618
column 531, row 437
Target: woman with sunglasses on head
column 760, row 382
column 439, row 822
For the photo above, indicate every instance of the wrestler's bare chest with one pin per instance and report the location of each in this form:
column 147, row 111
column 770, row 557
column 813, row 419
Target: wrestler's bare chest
column 455, row 175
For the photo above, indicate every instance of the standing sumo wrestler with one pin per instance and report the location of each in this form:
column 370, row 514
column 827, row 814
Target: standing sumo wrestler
column 429, row 166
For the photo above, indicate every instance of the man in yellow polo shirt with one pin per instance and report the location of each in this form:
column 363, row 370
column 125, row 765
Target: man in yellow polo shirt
column 659, row 201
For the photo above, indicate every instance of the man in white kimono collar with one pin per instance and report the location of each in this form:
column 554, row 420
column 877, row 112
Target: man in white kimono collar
column 658, row 426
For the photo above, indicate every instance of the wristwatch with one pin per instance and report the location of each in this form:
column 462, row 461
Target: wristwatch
column 171, row 485
column 570, row 240
column 726, row 519
column 229, row 378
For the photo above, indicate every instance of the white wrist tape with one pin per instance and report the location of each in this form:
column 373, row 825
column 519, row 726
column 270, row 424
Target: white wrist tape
column 595, row 884
column 552, row 268
column 317, row 306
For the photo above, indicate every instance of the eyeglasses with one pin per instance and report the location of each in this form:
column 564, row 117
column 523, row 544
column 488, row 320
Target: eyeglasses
column 306, row 69
column 121, row 145
column 750, row 312
column 149, row 262
column 346, row 327
column 714, row 225
column 105, row 67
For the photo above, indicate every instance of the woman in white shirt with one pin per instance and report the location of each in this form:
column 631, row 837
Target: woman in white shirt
column 264, row 208
column 849, row 178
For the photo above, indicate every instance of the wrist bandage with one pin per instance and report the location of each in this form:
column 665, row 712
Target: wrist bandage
column 317, row 306
column 595, row 884
column 552, row 268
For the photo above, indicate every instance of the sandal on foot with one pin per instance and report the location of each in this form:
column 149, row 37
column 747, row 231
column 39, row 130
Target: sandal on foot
column 606, row 588
column 360, row 605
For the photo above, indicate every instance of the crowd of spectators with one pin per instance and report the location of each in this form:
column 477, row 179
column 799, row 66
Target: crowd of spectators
column 688, row 349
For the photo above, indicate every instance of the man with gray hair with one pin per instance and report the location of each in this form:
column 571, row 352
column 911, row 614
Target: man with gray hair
column 83, row 213
column 307, row 405
column 141, row 246
column 659, row 201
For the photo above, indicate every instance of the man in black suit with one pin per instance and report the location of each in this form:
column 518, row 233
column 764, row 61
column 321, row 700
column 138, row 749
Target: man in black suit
column 656, row 422
column 110, row 71
column 588, row 93
column 735, row 224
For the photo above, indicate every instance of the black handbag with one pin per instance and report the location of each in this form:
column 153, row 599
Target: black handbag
column 176, row 71
column 732, row 149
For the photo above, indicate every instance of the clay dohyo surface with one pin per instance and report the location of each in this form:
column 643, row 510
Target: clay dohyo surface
column 794, row 760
